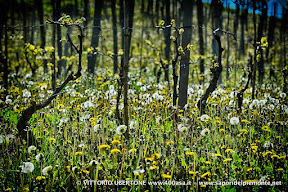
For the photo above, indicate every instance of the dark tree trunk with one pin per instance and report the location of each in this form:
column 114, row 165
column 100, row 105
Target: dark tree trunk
column 185, row 60
column 86, row 12
column 95, row 35
column 54, row 45
column 255, row 46
column 25, row 29
column 129, row 13
column 271, row 30
column 228, row 46
column 76, row 8
column 236, row 20
column 115, row 39
column 33, row 20
column 39, row 4
column 216, row 23
column 261, row 29
column 200, row 33
column 59, row 43
column 242, row 39
column 167, row 33
column 3, row 25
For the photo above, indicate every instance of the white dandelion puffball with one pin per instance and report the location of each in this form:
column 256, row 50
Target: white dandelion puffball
column 39, row 157
column 31, row 148
column 205, row 132
column 1, row 139
column 27, row 167
column 234, row 120
column 121, row 129
column 204, row 117
column 97, row 127
column 182, row 128
column 46, row 170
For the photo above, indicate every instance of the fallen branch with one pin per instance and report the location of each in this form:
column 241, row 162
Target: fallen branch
column 26, row 114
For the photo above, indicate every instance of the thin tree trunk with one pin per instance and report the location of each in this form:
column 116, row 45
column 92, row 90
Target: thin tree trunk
column 261, row 29
column 255, row 45
column 59, row 43
column 228, row 46
column 185, row 60
column 115, row 39
column 167, row 33
column 129, row 10
column 39, row 4
column 200, row 33
column 95, row 35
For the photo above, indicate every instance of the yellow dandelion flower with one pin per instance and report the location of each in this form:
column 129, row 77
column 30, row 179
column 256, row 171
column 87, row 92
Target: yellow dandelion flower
column 92, row 119
column 166, row 176
column 170, row 142
column 244, row 131
column 25, row 188
column 267, row 153
column 116, row 142
column 115, row 151
column 78, row 153
column 280, row 169
column 156, row 156
column 192, row 172
column 273, row 156
column 229, row 150
column 103, row 146
column 249, row 169
column 245, row 121
column 222, row 130
column 132, row 150
column 52, row 140
column 227, row 160
column 223, row 146
column 99, row 168
column 39, row 178
column 218, row 155
column 208, row 163
column 149, row 159
column 153, row 167
column 85, row 171
column 189, row 153
column 206, row 174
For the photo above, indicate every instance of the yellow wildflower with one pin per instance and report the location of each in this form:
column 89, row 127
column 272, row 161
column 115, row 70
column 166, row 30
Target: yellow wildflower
column 115, row 151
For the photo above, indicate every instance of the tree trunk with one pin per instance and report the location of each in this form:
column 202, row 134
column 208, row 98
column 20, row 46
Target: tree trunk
column 86, row 12
column 54, row 45
column 95, row 35
column 200, row 33
column 129, row 12
column 167, row 33
column 236, row 20
column 39, row 4
column 115, row 39
column 261, row 29
column 255, row 46
column 216, row 23
column 185, row 60
column 242, row 40
column 59, row 43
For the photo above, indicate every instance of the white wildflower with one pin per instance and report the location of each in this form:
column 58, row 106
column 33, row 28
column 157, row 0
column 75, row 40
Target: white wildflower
column 31, row 148
column 26, row 93
column 27, row 167
column 204, row 117
column 1, row 138
column 205, row 132
column 121, row 129
column 234, row 120
column 46, row 170
column 39, row 157
column 97, row 127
